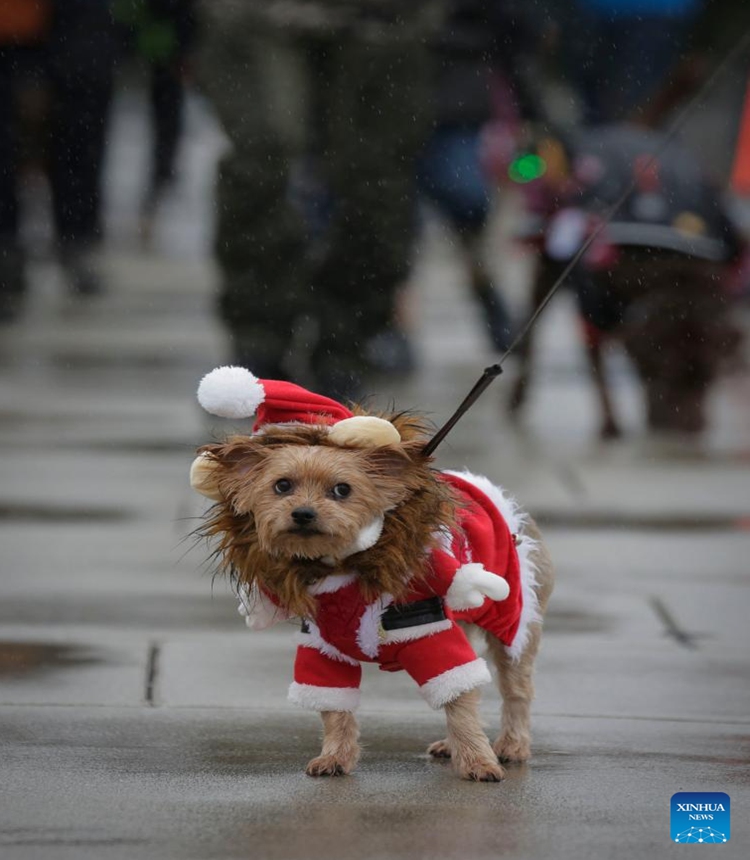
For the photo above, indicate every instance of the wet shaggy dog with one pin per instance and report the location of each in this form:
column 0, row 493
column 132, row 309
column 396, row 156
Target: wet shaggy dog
column 337, row 518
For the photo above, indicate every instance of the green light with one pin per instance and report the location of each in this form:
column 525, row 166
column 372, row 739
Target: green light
column 527, row 167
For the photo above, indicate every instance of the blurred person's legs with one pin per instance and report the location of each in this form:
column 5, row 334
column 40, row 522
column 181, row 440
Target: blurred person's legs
column 23, row 108
column 366, row 136
column 23, row 28
column 260, row 243
column 11, row 256
column 451, row 177
column 167, row 106
column 81, row 76
column 374, row 103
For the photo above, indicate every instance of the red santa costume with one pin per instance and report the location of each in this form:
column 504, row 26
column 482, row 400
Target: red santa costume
column 483, row 573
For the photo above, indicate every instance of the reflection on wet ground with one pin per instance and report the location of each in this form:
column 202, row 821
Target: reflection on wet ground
column 22, row 659
column 36, row 512
column 158, row 611
column 202, row 785
column 560, row 620
column 62, row 838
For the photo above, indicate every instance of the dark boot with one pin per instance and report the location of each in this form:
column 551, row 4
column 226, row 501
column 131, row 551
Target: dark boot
column 81, row 269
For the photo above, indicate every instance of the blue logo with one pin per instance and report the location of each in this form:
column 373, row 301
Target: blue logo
column 700, row 817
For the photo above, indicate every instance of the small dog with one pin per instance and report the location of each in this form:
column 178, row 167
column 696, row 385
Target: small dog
column 336, row 517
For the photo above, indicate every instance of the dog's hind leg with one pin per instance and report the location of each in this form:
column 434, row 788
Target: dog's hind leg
column 470, row 750
column 516, row 677
column 516, row 683
column 340, row 752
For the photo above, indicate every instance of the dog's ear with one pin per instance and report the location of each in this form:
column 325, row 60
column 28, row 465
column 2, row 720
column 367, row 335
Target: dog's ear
column 388, row 461
column 215, row 462
column 395, row 470
column 204, row 476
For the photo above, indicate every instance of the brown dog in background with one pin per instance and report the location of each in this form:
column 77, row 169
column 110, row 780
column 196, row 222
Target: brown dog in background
column 659, row 277
column 339, row 519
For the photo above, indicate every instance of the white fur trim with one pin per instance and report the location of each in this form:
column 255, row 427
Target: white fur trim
column 260, row 611
column 369, row 630
column 324, row 698
column 364, row 431
column 516, row 520
column 331, row 583
column 313, row 639
column 368, row 536
column 445, row 688
column 419, row 631
column 231, row 392
column 472, row 584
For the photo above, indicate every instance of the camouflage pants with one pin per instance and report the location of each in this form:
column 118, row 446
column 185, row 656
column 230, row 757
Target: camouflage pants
column 361, row 108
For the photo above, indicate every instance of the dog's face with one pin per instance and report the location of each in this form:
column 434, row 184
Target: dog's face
column 304, row 497
column 316, row 501
column 295, row 502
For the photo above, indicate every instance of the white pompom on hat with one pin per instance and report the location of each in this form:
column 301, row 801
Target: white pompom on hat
column 231, row 392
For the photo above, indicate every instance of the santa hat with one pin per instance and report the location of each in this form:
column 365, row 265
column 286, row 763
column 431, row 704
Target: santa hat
column 234, row 392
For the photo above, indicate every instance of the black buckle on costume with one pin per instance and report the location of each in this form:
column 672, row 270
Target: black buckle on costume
column 412, row 614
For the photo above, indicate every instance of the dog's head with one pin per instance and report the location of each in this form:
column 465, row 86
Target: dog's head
column 298, row 501
column 307, row 497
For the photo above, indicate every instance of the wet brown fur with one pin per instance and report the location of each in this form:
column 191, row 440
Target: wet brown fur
column 397, row 477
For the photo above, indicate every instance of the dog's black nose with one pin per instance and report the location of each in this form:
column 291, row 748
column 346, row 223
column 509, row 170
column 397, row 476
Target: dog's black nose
column 303, row 516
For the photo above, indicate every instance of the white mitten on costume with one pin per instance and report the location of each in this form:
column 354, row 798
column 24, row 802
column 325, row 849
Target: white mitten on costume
column 259, row 611
column 472, row 584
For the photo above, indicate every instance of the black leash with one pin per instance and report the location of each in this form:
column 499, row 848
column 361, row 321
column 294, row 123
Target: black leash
column 484, row 382
column 492, row 372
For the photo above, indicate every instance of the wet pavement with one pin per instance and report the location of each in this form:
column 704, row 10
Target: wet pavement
column 138, row 717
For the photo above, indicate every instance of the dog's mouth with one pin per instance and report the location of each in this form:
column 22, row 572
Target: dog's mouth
column 306, row 542
column 304, row 531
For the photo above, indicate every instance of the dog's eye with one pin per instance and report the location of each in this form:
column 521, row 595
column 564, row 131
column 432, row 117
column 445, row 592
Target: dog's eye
column 283, row 486
column 341, row 491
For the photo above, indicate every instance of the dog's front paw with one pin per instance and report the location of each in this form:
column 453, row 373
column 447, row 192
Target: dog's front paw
column 439, row 749
column 327, row 765
column 482, row 771
column 510, row 748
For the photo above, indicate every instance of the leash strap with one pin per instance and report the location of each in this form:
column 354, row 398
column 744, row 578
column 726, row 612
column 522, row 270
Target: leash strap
column 484, row 382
